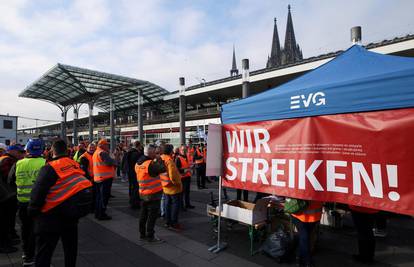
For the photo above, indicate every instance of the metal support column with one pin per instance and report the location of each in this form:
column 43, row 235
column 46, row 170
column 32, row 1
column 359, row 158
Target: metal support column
column 112, row 122
column 245, row 78
column 75, row 129
column 140, row 120
column 63, row 125
column 90, row 122
column 182, row 110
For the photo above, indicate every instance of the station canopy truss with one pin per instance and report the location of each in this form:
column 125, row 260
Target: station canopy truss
column 66, row 86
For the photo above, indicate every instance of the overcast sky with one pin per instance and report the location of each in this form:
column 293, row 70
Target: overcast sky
column 159, row 41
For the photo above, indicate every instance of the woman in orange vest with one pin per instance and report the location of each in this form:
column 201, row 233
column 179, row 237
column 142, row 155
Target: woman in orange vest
column 147, row 171
column 172, row 188
column 364, row 219
column 183, row 167
column 103, row 174
column 306, row 223
column 53, row 205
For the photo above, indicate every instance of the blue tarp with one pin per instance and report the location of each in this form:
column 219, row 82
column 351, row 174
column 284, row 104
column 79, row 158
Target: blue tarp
column 357, row 80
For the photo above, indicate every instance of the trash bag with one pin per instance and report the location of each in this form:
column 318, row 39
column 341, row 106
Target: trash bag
column 278, row 245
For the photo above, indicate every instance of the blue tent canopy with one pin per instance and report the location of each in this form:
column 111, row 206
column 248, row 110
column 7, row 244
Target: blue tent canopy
column 357, row 80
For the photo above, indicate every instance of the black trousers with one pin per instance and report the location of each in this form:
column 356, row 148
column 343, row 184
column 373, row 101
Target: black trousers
column 46, row 243
column 364, row 222
column 4, row 233
column 134, row 200
column 28, row 238
column 245, row 195
column 201, row 175
column 186, row 192
column 149, row 214
column 103, row 192
column 306, row 233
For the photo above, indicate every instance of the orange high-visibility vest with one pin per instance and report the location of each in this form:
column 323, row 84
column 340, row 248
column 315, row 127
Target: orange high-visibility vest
column 147, row 185
column 101, row 171
column 362, row 209
column 184, row 165
column 71, row 180
column 205, row 155
column 89, row 157
column 190, row 155
column 313, row 213
column 165, row 180
column 201, row 160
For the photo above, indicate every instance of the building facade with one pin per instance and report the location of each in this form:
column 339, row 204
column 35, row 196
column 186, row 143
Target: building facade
column 8, row 129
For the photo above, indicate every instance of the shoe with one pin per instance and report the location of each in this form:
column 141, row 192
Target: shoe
column 183, row 209
column 8, row 249
column 154, row 240
column 111, row 196
column 142, row 238
column 27, row 261
column 379, row 232
column 190, row 207
column 176, row 227
column 166, row 225
column 208, row 181
column 361, row 259
column 104, row 218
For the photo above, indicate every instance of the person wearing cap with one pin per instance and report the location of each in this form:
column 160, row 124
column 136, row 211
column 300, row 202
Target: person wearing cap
column 59, row 198
column 8, row 200
column 23, row 175
column 103, row 175
column 148, row 170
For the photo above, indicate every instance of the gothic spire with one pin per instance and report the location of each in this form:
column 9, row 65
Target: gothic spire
column 275, row 53
column 291, row 51
column 234, row 71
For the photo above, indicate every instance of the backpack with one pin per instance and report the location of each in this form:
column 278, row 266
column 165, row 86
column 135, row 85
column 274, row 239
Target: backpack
column 294, row 205
column 80, row 204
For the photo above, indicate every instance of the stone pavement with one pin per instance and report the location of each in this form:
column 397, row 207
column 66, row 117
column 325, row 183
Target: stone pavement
column 116, row 242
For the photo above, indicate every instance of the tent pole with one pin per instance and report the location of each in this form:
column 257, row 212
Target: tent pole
column 220, row 245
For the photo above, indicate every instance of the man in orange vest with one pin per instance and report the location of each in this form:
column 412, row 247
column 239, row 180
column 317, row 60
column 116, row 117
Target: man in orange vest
column 306, row 222
column 200, row 166
column 364, row 219
column 103, row 174
column 148, row 168
column 55, row 201
column 86, row 164
column 172, row 188
column 184, row 168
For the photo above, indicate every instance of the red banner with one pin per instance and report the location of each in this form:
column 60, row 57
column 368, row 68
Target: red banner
column 364, row 159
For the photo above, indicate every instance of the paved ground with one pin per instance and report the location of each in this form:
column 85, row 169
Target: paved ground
column 116, row 242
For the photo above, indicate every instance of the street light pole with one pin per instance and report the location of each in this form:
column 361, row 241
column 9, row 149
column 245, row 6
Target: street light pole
column 182, row 110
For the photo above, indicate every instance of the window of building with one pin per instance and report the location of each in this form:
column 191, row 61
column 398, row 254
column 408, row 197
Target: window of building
column 7, row 124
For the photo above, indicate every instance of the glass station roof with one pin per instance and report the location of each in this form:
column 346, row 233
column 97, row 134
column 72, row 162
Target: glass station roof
column 65, row 85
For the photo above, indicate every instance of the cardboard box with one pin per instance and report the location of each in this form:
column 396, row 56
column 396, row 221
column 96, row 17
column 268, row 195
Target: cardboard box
column 246, row 212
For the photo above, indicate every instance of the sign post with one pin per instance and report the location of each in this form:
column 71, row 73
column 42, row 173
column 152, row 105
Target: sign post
column 214, row 168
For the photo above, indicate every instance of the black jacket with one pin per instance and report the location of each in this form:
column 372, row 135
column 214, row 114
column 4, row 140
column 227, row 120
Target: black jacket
column 56, row 219
column 132, row 157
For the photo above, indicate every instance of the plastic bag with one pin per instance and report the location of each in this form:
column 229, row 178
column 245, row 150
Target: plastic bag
column 278, row 244
column 293, row 205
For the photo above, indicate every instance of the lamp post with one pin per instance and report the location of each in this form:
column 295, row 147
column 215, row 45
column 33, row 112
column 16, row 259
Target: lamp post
column 182, row 109
column 139, row 119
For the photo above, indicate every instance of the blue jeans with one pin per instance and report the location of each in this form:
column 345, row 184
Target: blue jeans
column 172, row 206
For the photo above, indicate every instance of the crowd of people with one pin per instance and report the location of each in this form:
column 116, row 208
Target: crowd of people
column 51, row 187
